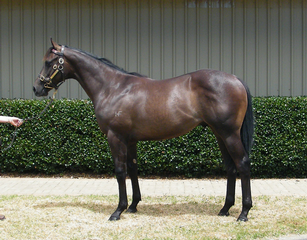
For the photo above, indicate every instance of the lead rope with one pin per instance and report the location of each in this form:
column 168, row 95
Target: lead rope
column 26, row 120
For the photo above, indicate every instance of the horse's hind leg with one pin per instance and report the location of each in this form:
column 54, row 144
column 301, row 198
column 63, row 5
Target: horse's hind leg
column 241, row 160
column 133, row 174
column 231, row 179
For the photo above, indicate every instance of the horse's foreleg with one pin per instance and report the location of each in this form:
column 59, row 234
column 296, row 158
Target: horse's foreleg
column 119, row 153
column 123, row 202
column 231, row 179
column 133, row 174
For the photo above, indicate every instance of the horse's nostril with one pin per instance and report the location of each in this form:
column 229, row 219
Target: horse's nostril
column 34, row 89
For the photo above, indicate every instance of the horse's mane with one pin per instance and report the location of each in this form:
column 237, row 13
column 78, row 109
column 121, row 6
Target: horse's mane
column 108, row 63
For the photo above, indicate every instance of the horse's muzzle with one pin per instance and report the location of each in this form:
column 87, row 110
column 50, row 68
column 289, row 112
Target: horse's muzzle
column 39, row 93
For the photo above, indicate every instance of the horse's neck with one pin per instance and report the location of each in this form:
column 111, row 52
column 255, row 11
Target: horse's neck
column 93, row 79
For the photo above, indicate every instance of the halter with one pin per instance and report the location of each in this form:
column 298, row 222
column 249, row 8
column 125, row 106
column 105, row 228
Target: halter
column 57, row 68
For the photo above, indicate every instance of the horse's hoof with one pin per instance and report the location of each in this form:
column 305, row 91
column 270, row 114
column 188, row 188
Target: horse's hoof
column 131, row 210
column 242, row 219
column 225, row 214
column 114, row 218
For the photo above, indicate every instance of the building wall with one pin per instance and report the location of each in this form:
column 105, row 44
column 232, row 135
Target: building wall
column 261, row 41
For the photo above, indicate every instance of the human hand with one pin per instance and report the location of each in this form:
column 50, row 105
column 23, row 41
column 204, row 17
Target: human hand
column 16, row 121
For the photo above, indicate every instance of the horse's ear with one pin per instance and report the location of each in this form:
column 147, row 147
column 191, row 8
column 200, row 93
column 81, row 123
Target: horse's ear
column 55, row 45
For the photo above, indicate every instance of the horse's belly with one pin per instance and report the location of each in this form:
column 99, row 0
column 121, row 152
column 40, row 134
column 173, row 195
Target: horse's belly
column 153, row 130
column 159, row 122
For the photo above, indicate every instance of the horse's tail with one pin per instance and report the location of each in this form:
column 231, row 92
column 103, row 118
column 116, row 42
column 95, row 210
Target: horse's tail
column 247, row 129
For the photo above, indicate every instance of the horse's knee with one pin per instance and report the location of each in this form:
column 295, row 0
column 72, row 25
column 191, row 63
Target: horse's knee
column 120, row 168
column 231, row 170
column 132, row 167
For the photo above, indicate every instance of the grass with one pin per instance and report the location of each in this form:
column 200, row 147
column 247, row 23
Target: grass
column 168, row 217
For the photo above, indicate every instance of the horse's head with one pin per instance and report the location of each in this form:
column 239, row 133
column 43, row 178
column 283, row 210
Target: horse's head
column 52, row 74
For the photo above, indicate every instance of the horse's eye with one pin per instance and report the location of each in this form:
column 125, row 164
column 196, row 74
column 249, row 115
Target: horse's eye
column 48, row 64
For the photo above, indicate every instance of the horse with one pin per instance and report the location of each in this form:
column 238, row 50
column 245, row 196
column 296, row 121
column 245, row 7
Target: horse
column 130, row 107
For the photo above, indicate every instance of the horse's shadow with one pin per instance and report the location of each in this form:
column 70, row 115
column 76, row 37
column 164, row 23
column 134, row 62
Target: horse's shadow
column 155, row 210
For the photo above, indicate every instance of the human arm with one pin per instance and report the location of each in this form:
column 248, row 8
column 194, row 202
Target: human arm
column 12, row 120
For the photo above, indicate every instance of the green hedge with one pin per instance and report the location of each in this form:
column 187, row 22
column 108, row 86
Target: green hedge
column 67, row 139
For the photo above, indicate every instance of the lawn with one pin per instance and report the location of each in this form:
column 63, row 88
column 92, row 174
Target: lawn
column 167, row 217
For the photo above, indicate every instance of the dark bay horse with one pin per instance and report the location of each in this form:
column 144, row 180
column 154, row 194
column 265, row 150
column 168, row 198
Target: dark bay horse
column 130, row 108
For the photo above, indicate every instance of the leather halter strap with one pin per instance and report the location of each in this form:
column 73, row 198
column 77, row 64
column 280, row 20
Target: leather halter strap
column 48, row 83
